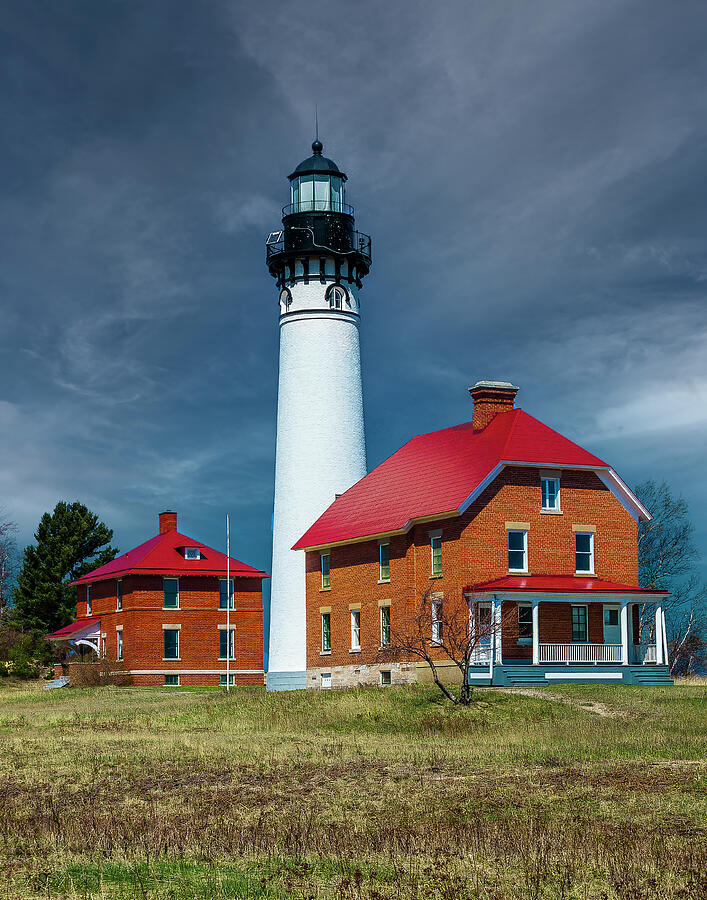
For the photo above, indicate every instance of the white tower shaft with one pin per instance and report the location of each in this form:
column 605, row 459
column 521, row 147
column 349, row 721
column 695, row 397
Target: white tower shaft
column 319, row 261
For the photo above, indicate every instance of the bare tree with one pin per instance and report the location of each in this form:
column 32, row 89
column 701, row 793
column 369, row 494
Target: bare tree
column 440, row 630
column 667, row 560
column 8, row 562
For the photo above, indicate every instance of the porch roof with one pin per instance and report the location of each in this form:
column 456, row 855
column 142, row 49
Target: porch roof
column 561, row 584
column 80, row 628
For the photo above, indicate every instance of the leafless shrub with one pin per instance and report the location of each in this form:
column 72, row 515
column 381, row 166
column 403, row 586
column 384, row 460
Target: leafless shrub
column 104, row 671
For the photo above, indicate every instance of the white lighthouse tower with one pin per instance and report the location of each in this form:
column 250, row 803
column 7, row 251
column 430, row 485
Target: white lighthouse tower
column 319, row 261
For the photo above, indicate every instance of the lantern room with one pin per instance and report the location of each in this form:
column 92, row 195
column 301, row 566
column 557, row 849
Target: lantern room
column 317, row 185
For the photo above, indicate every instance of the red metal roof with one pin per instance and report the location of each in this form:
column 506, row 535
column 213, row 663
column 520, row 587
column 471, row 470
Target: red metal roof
column 75, row 627
column 435, row 473
column 164, row 555
column 566, row 584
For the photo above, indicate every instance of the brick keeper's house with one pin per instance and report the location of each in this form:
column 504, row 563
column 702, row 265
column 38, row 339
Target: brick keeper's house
column 504, row 516
column 161, row 610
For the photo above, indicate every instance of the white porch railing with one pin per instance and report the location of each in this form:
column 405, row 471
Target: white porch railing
column 481, row 656
column 644, row 653
column 580, row 653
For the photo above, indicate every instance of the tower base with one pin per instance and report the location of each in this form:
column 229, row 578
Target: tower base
column 286, row 681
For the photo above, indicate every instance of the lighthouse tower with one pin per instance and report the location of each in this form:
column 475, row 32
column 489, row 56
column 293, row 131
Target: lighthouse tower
column 319, row 261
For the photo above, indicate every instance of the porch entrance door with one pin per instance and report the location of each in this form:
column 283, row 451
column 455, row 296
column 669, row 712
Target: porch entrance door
column 612, row 624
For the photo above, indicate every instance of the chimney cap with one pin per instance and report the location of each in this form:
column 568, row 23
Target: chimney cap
column 495, row 385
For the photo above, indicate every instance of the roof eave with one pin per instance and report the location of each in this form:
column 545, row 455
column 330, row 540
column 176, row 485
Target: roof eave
column 417, row 520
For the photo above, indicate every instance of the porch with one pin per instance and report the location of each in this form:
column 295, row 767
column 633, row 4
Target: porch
column 575, row 629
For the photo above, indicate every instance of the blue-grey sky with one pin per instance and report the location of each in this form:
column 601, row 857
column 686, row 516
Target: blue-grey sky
column 533, row 176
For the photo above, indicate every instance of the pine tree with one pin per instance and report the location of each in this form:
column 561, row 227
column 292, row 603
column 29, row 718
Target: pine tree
column 70, row 541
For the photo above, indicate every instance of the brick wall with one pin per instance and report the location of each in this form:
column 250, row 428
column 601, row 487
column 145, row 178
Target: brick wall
column 474, row 550
column 198, row 616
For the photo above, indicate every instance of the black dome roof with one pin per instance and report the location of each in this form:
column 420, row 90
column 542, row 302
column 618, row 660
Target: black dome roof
column 317, row 164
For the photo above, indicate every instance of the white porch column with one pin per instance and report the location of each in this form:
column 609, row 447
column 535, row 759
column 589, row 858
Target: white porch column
column 536, row 633
column 666, row 658
column 492, row 637
column 497, row 630
column 624, row 633
column 659, row 634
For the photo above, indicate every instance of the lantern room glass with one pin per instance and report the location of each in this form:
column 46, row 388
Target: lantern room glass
column 317, row 193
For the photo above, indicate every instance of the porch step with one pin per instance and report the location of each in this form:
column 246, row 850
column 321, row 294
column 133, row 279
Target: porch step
column 520, row 675
column 651, row 675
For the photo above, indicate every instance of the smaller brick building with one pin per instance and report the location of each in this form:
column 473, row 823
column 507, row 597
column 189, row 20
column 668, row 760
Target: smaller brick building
column 161, row 610
column 517, row 532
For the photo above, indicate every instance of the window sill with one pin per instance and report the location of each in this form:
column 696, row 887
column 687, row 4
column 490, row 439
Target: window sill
column 384, row 581
column 355, row 650
column 325, row 652
column 550, row 512
column 170, row 608
column 383, row 647
column 324, row 590
column 437, row 575
column 223, row 659
column 518, row 572
column 171, row 659
column 586, row 574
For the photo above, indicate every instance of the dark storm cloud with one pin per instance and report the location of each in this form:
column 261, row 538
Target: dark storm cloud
column 532, row 176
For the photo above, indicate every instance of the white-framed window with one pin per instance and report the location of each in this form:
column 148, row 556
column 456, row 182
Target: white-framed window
column 525, row 623
column 171, row 680
column 385, row 626
column 584, row 551
column 580, row 627
column 436, row 552
column 171, row 643
column 385, row 678
column 337, row 297
column 171, row 593
column 119, row 644
column 89, row 605
column 517, row 551
column 118, row 595
column 437, row 621
column 325, row 565
column 192, row 553
column 231, row 679
column 355, row 629
column 326, row 680
column 550, row 491
column 103, row 646
column 224, row 595
column 326, row 632
column 226, row 643
column 384, row 561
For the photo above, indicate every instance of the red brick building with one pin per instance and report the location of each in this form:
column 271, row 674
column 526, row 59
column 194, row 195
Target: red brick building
column 532, row 536
column 161, row 609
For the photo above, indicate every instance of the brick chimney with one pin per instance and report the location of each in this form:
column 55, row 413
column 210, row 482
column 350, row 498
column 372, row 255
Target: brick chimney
column 490, row 398
column 168, row 521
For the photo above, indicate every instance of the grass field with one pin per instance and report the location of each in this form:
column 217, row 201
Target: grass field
column 169, row 793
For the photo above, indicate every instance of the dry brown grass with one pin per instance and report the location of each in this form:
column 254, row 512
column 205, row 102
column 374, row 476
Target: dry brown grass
column 363, row 794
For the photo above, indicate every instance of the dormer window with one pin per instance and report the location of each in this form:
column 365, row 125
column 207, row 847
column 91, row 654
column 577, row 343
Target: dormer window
column 192, row 553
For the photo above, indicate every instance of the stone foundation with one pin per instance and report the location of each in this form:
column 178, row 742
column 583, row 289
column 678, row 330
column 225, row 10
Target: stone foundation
column 362, row 675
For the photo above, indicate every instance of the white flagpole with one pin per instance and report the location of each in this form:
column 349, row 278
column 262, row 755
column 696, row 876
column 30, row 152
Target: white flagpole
column 228, row 604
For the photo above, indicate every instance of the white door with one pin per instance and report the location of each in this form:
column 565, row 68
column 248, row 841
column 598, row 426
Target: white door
column 612, row 624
